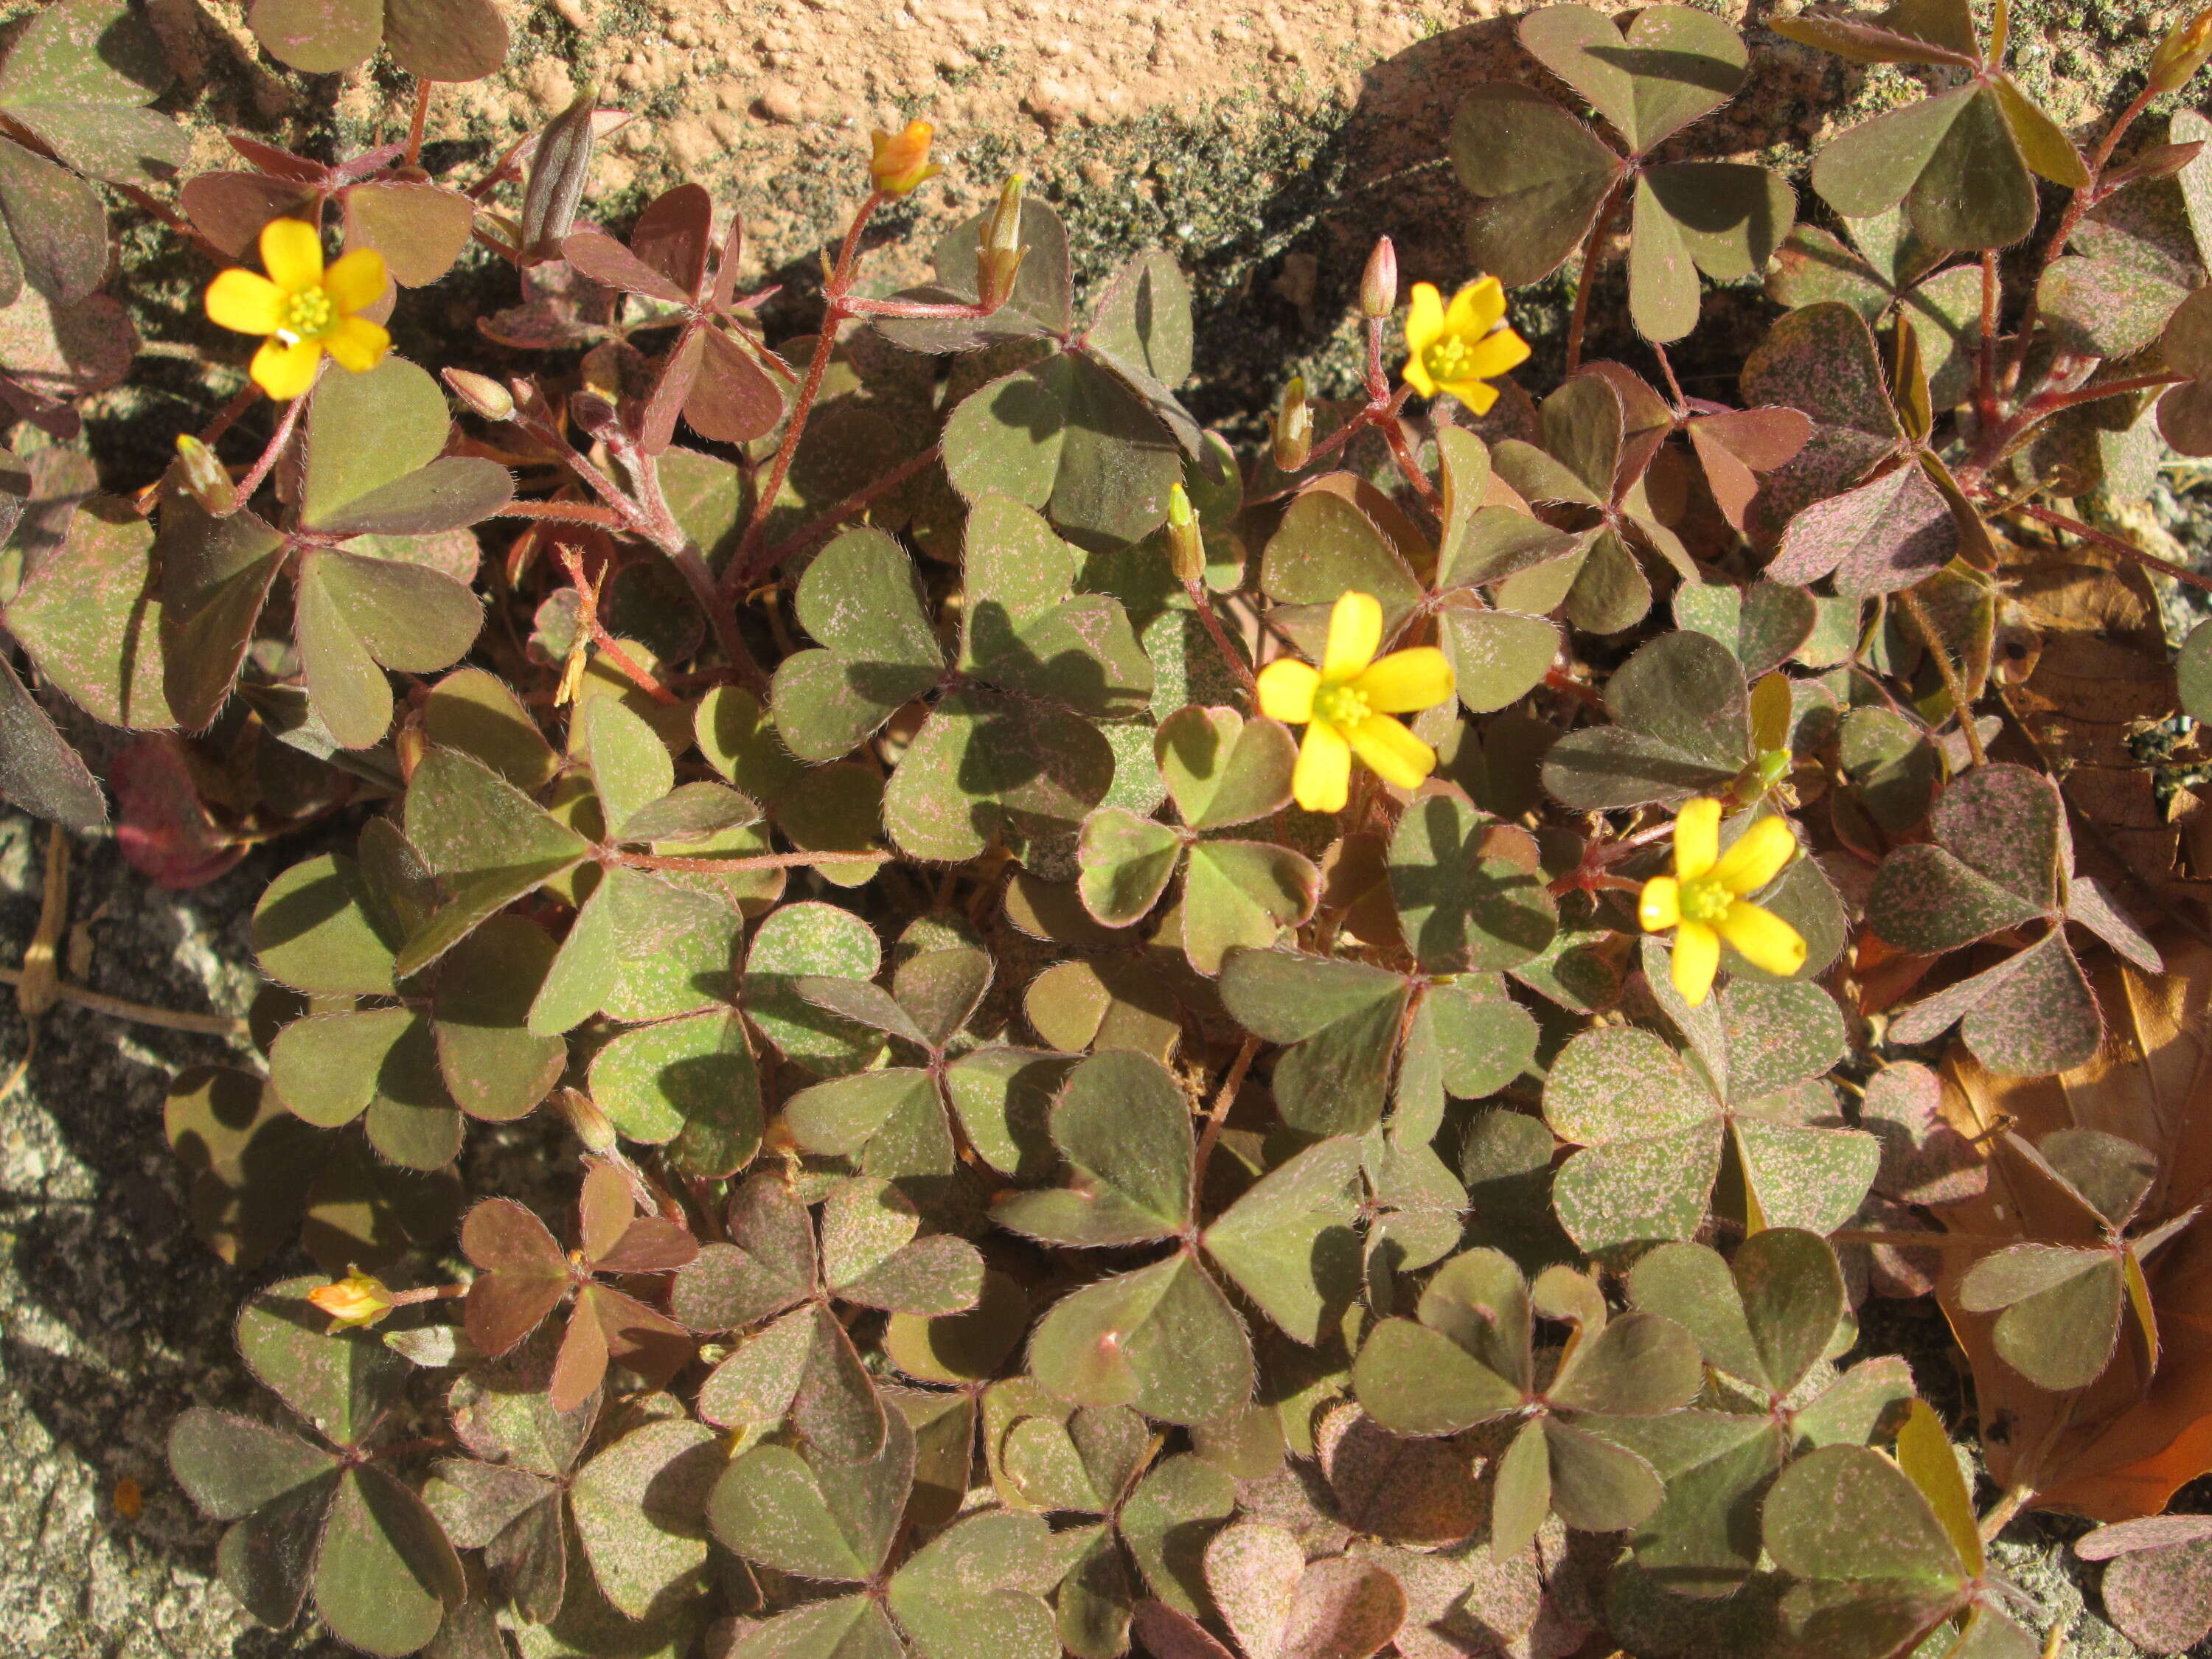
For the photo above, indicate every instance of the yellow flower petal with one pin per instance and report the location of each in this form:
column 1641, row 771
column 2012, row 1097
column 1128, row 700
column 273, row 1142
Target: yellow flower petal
column 1424, row 318
column 1697, row 959
column 247, row 301
column 292, row 253
column 1477, row 308
column 357, row 343
column 1659, row 907
column 286, row 371
column 1418, row 378
column 1322, row 781
column 1392, row 753
column 1697, row 838
column 1286, row 690
column 355, row 280
column 1355, row 634
column 1476, row 395
column 1760, row 854
column 1498, row 354
column 1405, row 682
column 1765, row 940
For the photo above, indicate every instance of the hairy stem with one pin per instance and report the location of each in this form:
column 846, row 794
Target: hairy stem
column 1954, row 686
column 1587, row 278
column 2126, row 550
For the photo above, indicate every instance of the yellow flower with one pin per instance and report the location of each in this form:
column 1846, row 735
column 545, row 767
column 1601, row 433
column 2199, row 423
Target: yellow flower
column 1704, row 903
column 1344, row 706
column 1458, row 350
column 356, row 1299
column 304, row 309
column 902, row 164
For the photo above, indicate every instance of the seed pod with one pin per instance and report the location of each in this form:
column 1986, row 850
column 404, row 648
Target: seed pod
column 1378, row 283
column 560, row 167
column 483, row 395
column 2187, row 44
column 998, row 255
column 1293, row 426
column 205, row 478
column 1186, row 542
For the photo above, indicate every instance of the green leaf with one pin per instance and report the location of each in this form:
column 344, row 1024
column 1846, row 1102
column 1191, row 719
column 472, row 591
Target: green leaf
column 367, row 431
column 639, row 1507
column 486, row 841
column 1163, row 1339
column 689, row 1081
column 2061, row 1310
column 1496, row 657
column 494, row 1067
column 383, row 1572
column 1417, row 1381
column 1845, row 1512
column 1288, row 1243
column 1471, row 894
column 341, row 1381
column 986, row 766
column 312, row 932
column 818, row 1518
column 1165, row 1522
column 792, row 943
column 478, row 714
column 1703, row 1539
column 231, row 1466
column 1242, row 893
column 355, row 616
column 1326, row 545
column 835, row 809
column 1344, row 1016
column 1222, row 769
column 974, row 1590
column 1765, row 1318
column 1682, row 727
column 215, row 577
column 1127, row 862
column 1539, row 176
column 631, row 766
column 1124, row 1125
column 861, row 598
column 1674, row 66
column 91, row 617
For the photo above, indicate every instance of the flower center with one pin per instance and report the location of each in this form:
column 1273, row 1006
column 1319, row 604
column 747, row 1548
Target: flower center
column 1449, row 358
column 306, row 315
column 1339, row 705
column 1704, row 899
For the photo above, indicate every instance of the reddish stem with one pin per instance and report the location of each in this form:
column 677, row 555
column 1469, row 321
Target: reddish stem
column 740, row 867
column 602, row 518
column 2113, row 544
column 825, row 343
column 1588, row 277
column 1985, row 364
column 1202, row 602
column 285, row 427
column 2085, row 198
column 807, row 535
column 416, row 126
column 587, row 617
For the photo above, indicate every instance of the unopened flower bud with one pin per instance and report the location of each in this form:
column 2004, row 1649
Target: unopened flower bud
column 2187, row 44
column 998, row 255
column 1293, row 426
column 483, row 395
column 358, row 1299
column 900, row 163
column 591, row 1125
column 1186, row 542
column 1378, row 283
column 205, row 477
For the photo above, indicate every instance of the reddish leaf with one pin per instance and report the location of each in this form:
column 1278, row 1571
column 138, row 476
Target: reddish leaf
column 670, row 237
column 163, row 829
column 734, row 399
